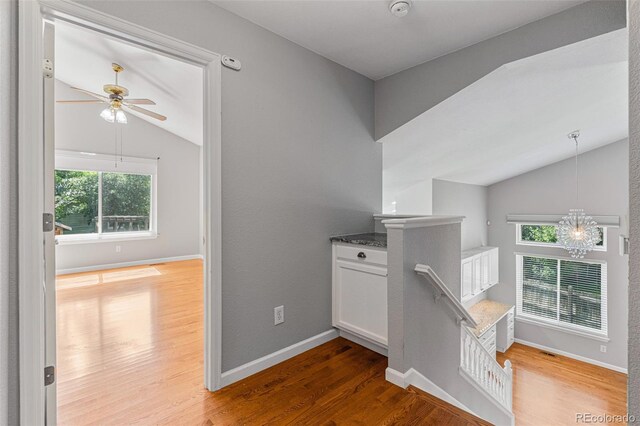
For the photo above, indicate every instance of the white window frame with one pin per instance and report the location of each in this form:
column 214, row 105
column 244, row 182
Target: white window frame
column 104, row 163
column 521, row 242
column 601, row 334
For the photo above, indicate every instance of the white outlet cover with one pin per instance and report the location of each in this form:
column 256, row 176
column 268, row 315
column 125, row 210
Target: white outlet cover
column 278, row 315
column 603, row 348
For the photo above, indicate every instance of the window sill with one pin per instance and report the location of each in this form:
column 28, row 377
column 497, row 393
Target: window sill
column 72, row 240
column 594, row 336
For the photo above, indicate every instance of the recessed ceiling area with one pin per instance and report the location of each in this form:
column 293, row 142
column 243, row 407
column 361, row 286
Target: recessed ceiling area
column 83, row 60
column 364, row 36
column 516, row 119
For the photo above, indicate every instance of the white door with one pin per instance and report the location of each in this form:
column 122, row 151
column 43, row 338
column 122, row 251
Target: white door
column 484, row 274
column 49, row 235
column 467, row 278
column 477, row 274
column 361, row 299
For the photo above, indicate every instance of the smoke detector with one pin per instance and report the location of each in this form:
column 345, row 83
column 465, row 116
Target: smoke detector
column 400, row 8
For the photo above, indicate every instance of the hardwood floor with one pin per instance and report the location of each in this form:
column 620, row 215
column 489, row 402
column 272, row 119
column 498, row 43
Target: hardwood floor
column 551, row 390
column 130, row 350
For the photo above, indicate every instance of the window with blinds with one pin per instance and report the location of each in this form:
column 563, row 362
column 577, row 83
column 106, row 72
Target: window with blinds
column 563, row 292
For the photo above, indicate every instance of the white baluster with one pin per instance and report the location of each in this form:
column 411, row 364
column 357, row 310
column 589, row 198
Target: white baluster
column 509, row 384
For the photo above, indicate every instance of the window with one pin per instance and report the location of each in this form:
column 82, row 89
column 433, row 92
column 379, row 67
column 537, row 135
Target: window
column 98, row 198
column 562, row 292
column 545, row 236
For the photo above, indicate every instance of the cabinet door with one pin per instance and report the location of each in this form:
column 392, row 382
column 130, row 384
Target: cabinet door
column 360, row 300
column 485, row 270
column 494, row 266
column 477, row 274
column 467, row 278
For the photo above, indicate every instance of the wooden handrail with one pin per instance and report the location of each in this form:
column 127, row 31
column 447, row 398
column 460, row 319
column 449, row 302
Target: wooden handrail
column 443, row 292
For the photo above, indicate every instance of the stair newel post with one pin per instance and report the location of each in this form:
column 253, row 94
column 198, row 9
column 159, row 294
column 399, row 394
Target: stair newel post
column 509, row 384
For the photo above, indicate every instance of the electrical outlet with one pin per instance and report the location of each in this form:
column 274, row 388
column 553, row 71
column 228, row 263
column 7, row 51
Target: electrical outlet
column 603, row 348
column 118, row 249
column 278, row 315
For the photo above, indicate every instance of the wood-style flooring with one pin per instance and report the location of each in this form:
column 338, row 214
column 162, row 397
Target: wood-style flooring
column 130, row 351
column 552, row 389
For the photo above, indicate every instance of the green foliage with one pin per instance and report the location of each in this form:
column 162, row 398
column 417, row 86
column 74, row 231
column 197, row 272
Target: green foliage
column 76, row 193
column 539, row 233
column 125, row 194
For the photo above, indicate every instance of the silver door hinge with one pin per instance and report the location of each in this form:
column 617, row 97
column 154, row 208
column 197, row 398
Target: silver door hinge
column 47, row 68
column 47, row 222
column 49, row 375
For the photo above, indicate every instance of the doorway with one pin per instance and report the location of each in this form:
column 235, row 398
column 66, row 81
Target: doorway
column 37, row 307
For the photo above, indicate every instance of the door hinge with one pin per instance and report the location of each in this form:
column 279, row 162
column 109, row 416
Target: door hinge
column 47, row 222
column 49, row 375
column 47, row 68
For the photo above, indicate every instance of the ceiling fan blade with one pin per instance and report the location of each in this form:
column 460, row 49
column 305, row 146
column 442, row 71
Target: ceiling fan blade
column 95, row 95
column 146, row 112
column 81, row 101
column 140, row 101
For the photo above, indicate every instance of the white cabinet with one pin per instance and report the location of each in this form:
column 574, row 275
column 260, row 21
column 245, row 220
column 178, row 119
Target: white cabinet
column 506, row 331
column 479, row 271
column 360, row 291
column 488, row 340
column 467, row 278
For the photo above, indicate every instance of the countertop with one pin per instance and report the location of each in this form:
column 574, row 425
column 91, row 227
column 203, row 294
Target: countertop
column 486, row 313
column 372, row 239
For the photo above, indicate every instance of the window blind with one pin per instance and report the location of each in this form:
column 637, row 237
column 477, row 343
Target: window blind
column 563, row 292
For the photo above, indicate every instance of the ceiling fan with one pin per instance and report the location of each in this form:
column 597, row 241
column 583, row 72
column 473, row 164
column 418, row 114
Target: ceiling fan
column 116, row 100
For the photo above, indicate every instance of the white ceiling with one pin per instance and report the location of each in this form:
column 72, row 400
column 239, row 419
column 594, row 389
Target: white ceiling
column 516, row 119
column 83, row 59
column 364, row 36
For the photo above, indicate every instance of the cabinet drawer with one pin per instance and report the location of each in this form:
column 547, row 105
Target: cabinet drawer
column 488, row 335
column 361, row 254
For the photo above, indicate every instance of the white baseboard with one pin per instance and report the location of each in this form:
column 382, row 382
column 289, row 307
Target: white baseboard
column 364, row 342
column 414, row 378
column 125, row 264
column 396, row 377
column 277, row 357
column 573, row 356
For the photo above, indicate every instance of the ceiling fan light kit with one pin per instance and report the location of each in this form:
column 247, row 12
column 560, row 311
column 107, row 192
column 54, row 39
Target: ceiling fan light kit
column 117, row 100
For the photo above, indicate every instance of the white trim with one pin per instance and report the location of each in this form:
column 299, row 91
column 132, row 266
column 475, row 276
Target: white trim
column 30, row 209
column 573, row 356
column 396, row 377
column 521, row 242
column 550, row 256
column 421, row 222
column 93, row 238
column 564, row 329
column 553, row 219
column 414, row 378
column 126, row 264
column 277, row 357
column 363, row 341
column 30, row 205
column 486, row 394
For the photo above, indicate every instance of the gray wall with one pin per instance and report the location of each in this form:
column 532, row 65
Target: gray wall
column 470, row 201
column 416, row 320
column 299, row 164
column 78, row 128
column 407, row 94
column 634, row 228
column 9, row 404
column 550, row 190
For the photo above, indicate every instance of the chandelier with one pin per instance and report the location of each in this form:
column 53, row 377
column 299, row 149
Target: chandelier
column 577, row 232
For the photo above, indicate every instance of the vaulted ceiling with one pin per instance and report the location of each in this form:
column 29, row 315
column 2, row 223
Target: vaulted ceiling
column 83, row 59
column 516, row 119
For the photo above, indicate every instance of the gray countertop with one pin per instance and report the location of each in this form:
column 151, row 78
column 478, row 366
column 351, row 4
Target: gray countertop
column 372, row 239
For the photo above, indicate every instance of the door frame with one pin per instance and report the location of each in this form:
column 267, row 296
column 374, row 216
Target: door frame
column 32, row 13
